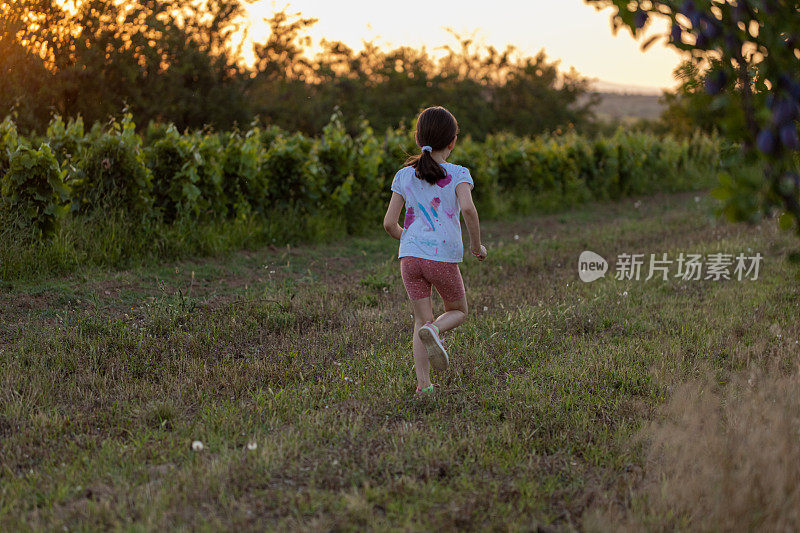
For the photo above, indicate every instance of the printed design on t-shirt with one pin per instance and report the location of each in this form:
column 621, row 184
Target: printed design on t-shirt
column 444, row 182
column 409, row 218
column 449, row 212
column 435, row 205
column 427, row 216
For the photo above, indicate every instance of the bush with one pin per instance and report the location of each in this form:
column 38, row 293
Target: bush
column 285, row 168
column 482, row 164
column 212, row 203
column 266, row 185
column 173, row 161
column 333, row 165
column 67, row 140
column 9, row 140
column 33, row 189
column 242, row 181
column 113, row 173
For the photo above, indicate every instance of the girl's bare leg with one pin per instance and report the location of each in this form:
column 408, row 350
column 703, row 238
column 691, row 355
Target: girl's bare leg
column 423, row 312
column 455, row 313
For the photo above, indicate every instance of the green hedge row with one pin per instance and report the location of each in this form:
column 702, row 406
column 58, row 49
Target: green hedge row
column 264, row 174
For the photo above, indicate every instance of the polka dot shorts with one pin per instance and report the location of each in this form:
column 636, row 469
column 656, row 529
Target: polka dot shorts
column 419, row 274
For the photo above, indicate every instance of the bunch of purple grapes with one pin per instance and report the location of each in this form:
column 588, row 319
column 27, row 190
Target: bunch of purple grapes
column 785, row 107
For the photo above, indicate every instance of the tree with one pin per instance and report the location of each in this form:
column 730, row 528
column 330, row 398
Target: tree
column 23, row 75
column 750, row 50
column 164, row 59
column 174, row 61
column 488, row 90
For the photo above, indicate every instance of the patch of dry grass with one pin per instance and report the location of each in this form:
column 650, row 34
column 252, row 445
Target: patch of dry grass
column 722, row 457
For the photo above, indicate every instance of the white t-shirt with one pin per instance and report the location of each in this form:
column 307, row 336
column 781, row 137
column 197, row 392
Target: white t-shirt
column 432, row 225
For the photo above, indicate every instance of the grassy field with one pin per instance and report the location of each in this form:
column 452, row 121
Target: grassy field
column 615, row 404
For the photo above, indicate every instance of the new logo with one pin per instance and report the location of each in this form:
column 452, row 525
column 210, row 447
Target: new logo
column 591, row 266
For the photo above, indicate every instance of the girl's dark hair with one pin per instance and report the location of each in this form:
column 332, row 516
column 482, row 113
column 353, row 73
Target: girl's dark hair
column 436, row 127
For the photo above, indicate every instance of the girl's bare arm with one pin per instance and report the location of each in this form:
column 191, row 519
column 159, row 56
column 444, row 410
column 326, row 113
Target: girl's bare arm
column 392, row 215
column 470, row 213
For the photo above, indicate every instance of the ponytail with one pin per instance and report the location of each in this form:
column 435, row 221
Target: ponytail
column 426, row 167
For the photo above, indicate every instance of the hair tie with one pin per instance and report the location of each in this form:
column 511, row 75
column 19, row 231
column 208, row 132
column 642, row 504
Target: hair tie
column 427, row 149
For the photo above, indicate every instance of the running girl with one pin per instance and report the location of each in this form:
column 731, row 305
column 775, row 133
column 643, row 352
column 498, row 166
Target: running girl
column 435, row 194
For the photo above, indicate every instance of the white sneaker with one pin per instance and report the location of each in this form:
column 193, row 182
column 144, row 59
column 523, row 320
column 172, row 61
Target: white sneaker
column 437, row 355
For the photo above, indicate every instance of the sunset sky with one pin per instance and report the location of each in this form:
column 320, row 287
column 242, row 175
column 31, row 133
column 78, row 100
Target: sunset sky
column 567, row 29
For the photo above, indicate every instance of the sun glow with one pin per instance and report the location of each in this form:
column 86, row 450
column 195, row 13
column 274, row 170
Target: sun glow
column 569, row 30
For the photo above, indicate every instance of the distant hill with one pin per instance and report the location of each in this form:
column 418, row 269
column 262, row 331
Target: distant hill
column 600, row 86
column 614, row 105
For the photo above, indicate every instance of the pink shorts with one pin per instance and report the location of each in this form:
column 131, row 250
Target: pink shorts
column 419, row 274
